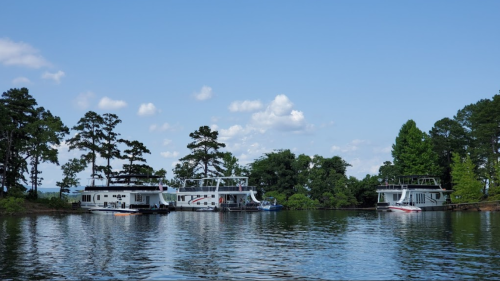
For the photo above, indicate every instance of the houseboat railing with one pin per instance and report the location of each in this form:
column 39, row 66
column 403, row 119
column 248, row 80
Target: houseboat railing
column 213, row 188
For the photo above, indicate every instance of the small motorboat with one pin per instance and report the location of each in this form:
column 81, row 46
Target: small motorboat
column 404, row 209
column 270, row 204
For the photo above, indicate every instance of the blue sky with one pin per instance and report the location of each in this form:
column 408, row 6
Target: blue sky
column 317, row 77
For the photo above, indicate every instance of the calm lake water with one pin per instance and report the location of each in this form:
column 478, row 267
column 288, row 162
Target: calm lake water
column 284, row 245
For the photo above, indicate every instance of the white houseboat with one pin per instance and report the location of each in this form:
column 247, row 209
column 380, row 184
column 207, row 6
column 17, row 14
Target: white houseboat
column 220, row 193
column 125, row 194
column 422, row 191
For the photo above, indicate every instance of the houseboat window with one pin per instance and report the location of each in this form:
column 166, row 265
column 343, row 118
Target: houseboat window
column 438, row 195
column 123, row 196
column 197, row 203
column 213, row 203
column 106, row 195
column 213, row 195
column 183, row 197
column 98, row 197
column 138, row 198
column 206, row 203
column 198, row 196
column 86, row 198
column 206, row 196
column 114, row 195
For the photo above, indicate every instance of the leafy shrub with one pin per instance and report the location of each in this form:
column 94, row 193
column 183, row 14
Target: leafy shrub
column 12, row 205
column 301, row 202
column 57, row 203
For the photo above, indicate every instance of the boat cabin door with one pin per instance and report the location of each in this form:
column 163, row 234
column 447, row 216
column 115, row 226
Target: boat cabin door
column 147, row 200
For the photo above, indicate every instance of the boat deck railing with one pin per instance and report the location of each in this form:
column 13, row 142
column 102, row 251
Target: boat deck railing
column 409, row 186
column 213, row 188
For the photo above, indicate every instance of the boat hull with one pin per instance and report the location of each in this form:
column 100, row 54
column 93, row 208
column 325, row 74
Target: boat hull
column 271, row 208
column 112, row 211
column 405, row 209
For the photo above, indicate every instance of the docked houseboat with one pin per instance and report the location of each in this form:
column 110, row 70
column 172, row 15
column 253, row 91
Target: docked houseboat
column 125, row 194
column 412, row 193
column 220, row 193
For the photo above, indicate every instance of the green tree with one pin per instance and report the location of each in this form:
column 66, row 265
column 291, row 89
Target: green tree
column 467, row 188
column 365, row 190
column 135, row 153
column 324, row 176
column 231, row 166
column 481, row 122
column 45, row 133
column 447, row 137
column 18, row 111
column 89, row 138
column 302, row 166
column 413, row 153
column 205, row 157
column 181, row 172
column 110, row 141
column 70, row 170
column 388, row 171
column 274, row 172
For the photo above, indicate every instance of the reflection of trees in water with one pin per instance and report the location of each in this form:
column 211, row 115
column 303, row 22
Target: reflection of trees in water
column 445, row 245
column 10, row 232
column 199, row 247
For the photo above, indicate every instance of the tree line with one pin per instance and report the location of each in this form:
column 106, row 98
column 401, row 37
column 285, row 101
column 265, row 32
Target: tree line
column 463, row 151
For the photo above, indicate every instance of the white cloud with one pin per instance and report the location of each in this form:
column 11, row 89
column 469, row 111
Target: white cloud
column 161, row 128
column 54, row 76
column 107, row 103
column 169, row 154
column 21, row 80
column 245, row 106
column 354, row 145
column 361, row 167
column 280, row 115
column 83, row 100
column 20, row 54
column 167, row 142
column 147, row 109
column 204, row 94
column 231, row 132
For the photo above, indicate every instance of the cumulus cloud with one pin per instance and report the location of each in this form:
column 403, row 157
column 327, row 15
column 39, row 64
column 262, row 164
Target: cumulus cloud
column 167, row 142
column 21, row 80
column 20, row 54
column 204, row 94
column 147, row 109
column 233, row 131
column 160, row 128
column 168, row 154
column 280, row 115
column 54, row 76
column 83, row 100
column 245, row 106
column 107, row 103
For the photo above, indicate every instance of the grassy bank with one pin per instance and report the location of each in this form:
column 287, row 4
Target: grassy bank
column 20, row 206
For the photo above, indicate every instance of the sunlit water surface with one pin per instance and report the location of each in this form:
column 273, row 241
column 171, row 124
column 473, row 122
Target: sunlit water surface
column 287, row 245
